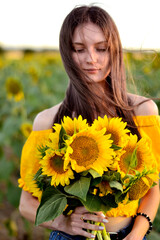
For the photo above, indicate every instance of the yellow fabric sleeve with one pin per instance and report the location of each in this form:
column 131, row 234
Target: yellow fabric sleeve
column 149, row 126
column 126, row 210
column 29, row 159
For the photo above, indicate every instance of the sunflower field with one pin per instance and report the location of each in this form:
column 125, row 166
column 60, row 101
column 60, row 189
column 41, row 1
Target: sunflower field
column 32, row 81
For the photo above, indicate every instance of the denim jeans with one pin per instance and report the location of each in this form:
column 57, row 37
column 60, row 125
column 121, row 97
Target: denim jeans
column 58, row 235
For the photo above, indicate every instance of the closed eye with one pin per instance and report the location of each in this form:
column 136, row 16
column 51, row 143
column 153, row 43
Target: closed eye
column 101, row 49
column 79, row 50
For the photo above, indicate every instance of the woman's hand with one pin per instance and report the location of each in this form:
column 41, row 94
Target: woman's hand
column 75, row 224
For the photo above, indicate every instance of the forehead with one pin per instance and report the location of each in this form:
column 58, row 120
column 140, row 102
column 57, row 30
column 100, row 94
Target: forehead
column 88, row 32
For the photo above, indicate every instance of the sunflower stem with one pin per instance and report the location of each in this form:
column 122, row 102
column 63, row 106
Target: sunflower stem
column 99, row 235
column 88, row 230
column 93, row 232
column 105, row 235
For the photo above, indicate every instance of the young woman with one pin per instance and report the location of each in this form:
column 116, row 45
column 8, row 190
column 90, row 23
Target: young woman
column 92, row 55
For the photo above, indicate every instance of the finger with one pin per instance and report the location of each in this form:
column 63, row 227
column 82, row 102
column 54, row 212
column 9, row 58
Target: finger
column 77, row 217
column 88, row 216
column 95, row 218
column 100, row 214
column 87, row 226
column 94, row 227
column 78, row 229
column 86, row 234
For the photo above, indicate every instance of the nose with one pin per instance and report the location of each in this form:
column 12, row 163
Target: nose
column 91, row 56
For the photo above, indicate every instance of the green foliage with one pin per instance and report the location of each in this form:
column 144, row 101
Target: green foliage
column 94, row 203
column 13, row 194
column 143, row 73
column 41, row 81
column 157, row 221
column 52, row 205
column 116, row 185
column 62, row 138
column 6, row 168
column 42, row 150
column 79, row 188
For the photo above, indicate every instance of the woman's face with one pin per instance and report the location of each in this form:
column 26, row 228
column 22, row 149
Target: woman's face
column 91, row 52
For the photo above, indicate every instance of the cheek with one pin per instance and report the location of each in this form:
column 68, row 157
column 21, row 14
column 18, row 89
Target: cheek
column 107, row 61
column 76, row 59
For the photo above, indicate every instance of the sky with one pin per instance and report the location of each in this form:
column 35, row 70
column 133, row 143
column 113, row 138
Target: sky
column 37, row 23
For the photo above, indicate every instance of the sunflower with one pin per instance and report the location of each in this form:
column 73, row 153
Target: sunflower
column 114, row 126
column 75, row 125
column 89, row 149
column 52, row 165
column 21, row 183
column 34, row 74
column 26, row 129
column 137, row 156
column 140, row 188
column 30, row 185
column 14, row 89
column 104, row 188
column 53, row 139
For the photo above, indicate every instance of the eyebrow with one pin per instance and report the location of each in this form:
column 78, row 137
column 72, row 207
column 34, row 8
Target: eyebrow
column 82, row 44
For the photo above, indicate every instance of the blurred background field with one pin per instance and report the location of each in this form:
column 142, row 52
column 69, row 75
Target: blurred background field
column 32, row 81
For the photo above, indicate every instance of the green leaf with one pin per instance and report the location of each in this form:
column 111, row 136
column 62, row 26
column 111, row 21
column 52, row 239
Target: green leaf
column 72, row 203
column 95, row 181
column 38, row 173
column 62, row 138
column 128, row 176
column 42, row 149
column 119, row 196
column 115, row 147
column 154, row 184
column 84, row 173
column 133, row 160
column 79, row 188
column 52, row 204
column 109, row 201
column 94, row 173
column 94, row 203
column 117, row 185
column 111, row 176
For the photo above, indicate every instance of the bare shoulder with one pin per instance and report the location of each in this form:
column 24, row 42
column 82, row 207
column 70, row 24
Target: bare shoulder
column 145, row 106
column 44, row 119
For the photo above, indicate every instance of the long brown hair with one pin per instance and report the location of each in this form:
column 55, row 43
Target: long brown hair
column 79, row 98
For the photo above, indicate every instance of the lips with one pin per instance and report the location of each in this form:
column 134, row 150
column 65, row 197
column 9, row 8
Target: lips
column 91, row 70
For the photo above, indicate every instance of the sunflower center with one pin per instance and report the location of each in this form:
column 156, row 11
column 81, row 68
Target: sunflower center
column 85, row 150
column 56, row 163
column 13, row 86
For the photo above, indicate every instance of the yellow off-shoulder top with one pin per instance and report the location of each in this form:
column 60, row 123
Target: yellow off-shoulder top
column 149, row 126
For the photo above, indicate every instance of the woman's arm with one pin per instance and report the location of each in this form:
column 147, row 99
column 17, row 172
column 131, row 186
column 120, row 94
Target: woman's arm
column 72, row 224
column 149, row 205
column 28, row 207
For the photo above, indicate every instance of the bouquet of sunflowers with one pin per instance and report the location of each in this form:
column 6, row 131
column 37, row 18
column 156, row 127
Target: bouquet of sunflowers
column 97, row 166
